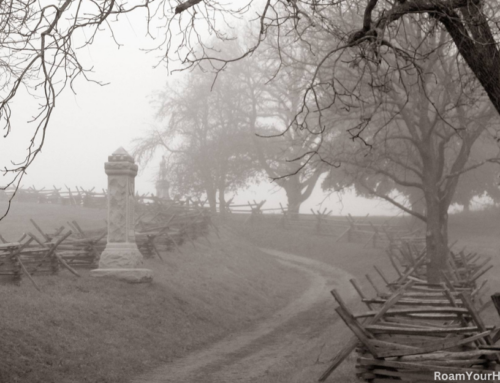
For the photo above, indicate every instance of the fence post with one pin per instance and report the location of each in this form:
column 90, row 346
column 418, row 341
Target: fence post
column 375, row 234
column 121, row 258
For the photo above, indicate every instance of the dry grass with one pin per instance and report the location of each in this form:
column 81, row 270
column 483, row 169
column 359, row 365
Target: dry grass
column 355, row 259
column 93, row 330
column 89, row 330
column 352, row 257
column 478, row 230
column 48, row 217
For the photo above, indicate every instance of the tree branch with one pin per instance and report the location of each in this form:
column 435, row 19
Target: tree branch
column 394, row 202
column 186, row 5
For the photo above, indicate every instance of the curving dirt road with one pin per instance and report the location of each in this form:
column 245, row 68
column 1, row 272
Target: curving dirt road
column 248, row 356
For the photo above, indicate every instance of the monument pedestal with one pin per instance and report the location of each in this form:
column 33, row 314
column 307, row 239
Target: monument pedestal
column 120, row 256
column 121, row 259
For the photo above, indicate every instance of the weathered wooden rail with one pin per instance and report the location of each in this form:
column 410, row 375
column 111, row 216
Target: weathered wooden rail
column 161, row 226
column 414, row 329
column 344, row 229
column 78, row 197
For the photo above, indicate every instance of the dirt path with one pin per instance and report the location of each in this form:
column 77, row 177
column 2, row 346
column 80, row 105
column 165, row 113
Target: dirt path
column 246, row 356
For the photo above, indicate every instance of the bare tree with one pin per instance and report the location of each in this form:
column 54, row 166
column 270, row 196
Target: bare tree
column 420, row 137
column 274, row 105
column 204, row 135
column 360, row 70
column 471, row 24
column 40, row 43
column 38, row 39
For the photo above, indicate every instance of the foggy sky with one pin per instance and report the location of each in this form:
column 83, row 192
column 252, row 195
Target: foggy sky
column 87, row 127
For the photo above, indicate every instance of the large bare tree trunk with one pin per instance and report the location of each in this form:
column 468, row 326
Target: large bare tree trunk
column 212, row 200
column 294, row 201
column 222, row 202
column 293, row 188
column 221, row 186
column 477, row 45
column 436, row 239
column 419, row 206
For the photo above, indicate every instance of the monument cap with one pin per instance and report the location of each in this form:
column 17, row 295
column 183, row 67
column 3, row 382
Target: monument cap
column 120, row 155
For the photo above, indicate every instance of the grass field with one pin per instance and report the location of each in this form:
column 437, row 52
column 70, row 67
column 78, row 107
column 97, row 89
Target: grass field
column 91, row 330
column 478, row 231
column 48, row 217
column 351, row 257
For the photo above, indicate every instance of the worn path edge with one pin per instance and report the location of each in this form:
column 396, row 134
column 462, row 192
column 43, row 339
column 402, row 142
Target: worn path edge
column 243, row 356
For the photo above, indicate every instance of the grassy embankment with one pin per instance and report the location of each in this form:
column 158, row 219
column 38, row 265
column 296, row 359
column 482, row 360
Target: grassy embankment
column 92, row 330
column 87, row 330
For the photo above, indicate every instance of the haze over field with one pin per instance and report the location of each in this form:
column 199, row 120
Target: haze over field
column 88, row 126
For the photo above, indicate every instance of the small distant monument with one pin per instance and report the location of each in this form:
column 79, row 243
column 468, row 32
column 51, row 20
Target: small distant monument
column 121, row 259
column 162, row 184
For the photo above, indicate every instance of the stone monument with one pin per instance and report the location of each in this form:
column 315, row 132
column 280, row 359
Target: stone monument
column 121, row 259
column 162, row 184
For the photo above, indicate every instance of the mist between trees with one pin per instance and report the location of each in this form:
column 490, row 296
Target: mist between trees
column 386, row 97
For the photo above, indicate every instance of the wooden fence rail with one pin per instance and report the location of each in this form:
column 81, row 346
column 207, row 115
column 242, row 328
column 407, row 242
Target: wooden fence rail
column 343, row 229
column 161, row 226
column 414, row 329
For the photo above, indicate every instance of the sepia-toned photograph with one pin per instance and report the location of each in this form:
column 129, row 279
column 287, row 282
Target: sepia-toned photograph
column 249, row 191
